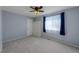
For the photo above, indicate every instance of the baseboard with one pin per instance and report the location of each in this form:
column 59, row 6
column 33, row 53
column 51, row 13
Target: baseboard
column 69, row 43
column 62, row 41
column 12, row 39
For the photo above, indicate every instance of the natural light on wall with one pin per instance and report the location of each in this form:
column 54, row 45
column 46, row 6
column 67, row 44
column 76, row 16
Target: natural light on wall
column 53, row 23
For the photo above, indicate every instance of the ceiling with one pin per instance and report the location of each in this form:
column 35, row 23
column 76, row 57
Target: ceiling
column 24, row 10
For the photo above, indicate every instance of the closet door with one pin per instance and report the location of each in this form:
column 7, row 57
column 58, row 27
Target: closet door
column 37, row 28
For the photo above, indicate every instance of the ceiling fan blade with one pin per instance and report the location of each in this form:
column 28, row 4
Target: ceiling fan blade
column 31, row 11
column 41, row 11
column 32, row 7
column 40, row 7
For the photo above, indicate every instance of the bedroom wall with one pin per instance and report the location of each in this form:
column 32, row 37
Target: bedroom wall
column 0, row 30
column 37, row 27
column 71, row 25
column 14, row 26
column 29, row 27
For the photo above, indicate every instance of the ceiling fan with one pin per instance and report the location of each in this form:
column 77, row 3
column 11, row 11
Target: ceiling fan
column 36, row 9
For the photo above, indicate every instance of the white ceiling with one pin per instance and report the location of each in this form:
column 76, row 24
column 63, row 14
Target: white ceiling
column 24, row 10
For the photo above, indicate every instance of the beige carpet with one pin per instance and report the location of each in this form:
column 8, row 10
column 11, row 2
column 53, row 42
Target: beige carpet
column 37, row 45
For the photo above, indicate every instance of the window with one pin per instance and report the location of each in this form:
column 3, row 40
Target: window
column 52, row 23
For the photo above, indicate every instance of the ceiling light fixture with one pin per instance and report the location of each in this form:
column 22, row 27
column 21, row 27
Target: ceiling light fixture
column 36, row 9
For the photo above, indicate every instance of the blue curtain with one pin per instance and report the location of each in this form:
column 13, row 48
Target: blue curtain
column 44, row 30
column 62, row 27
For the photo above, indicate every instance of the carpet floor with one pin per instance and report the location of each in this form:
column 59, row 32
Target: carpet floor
column 37, row 45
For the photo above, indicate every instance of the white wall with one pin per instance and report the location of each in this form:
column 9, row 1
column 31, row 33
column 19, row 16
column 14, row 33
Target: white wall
column 29, row 27
column 0, row 30
column 71, row 24
column 14, row 26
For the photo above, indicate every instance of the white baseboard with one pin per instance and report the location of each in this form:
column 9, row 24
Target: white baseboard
column 16, row 38
column 69, row 43
column 62, row 41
